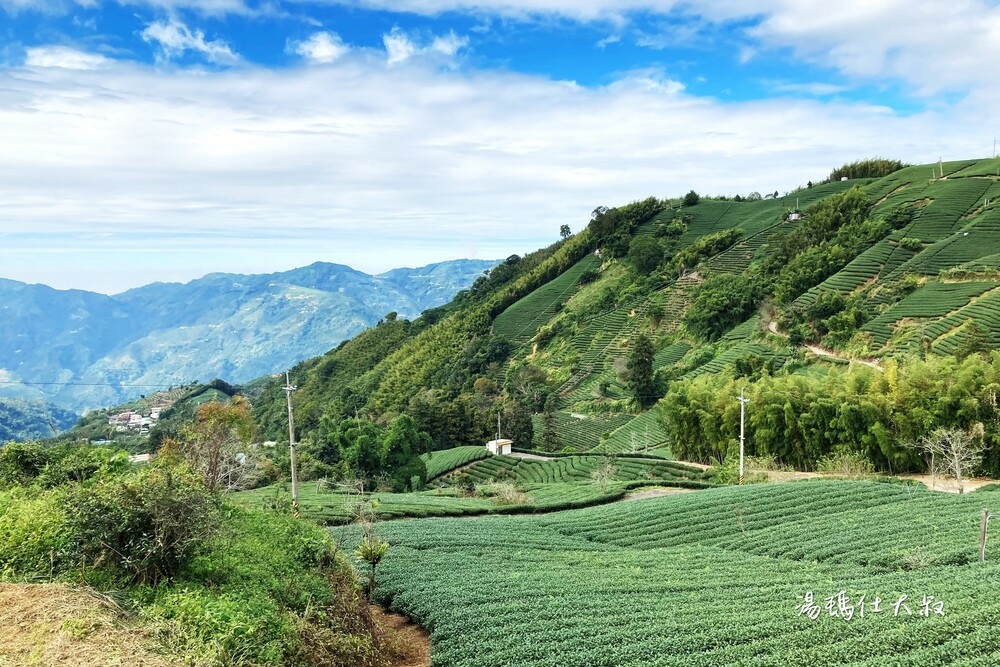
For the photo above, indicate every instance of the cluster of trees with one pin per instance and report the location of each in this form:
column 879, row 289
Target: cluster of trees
column 611, row 228
column 834, row 231
column 373, row 454
column 801, row 418
column 832, row 318
column 651, row 252
column 871, row 168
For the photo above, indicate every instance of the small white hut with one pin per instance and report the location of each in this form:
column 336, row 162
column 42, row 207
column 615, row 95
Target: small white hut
column 499, row 446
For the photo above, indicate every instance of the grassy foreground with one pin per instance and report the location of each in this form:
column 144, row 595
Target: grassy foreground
column 209, row 582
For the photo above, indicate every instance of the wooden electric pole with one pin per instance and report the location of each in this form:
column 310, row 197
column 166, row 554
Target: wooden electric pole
column 289, row 388
column 743, row 402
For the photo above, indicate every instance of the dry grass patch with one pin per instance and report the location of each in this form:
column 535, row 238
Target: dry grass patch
column 54, row 624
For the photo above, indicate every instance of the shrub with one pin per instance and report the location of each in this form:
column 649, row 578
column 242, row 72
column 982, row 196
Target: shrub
column 909, row 243
column 143, row 528
column 503, row 493
column 33, row 534
column 206, row 627
column 79, row 464
column 465, row 484
column 20, row 464
column 728, row 472
column 846, row 464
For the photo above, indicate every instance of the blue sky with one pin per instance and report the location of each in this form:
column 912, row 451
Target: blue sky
column 164, row 139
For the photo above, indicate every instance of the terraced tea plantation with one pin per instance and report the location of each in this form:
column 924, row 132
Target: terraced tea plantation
column 582, row 432
column 803, row 573
column 932, row 301
column 446, row 460
column 337, row 506
column 582, row 468
column 521, row 321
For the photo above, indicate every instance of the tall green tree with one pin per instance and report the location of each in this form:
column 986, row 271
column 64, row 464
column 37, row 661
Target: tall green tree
column 550, row 435
column 640, row 371
column 401, row 449
column 644, row 254
column 515, row 423
column 359, row 443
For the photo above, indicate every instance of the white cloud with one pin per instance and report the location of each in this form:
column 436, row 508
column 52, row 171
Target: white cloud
column 205, row 7
column 935, row 46
column 814, row 88
column 64, row 57
column 583, row 10
column 400, row 46
column 173, row 38
column 376, row 167
column 449, row 45
column 321, row 48
column 931, row 46
column 746, row 54
column 608, row 41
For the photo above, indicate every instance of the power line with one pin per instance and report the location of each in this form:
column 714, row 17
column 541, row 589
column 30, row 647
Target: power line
column 90, row 384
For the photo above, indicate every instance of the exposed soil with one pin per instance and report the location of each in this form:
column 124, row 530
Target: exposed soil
column 411, row 644
column 530, row 457
column 823, row 352
column 652, row 493
column 700, row 466
column 54, row 624
column 945, row 484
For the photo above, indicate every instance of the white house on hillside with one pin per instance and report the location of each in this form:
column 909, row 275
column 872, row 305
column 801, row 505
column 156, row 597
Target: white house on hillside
column 500, row 446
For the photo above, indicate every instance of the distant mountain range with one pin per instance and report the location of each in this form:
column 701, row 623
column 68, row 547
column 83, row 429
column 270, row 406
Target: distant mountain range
column 83, row 350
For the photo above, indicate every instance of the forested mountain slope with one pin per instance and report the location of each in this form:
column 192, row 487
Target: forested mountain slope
column 637, row 333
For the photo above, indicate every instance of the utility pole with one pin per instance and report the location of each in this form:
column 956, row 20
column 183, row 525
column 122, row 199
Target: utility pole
column 982, row 534
column 289, row 388
column 743, row 402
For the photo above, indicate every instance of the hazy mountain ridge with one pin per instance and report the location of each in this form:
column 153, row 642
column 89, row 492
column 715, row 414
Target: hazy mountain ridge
column 227, row 325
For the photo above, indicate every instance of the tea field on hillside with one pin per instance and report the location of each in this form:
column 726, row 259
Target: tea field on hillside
column 336, row 506
column 803, row 573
